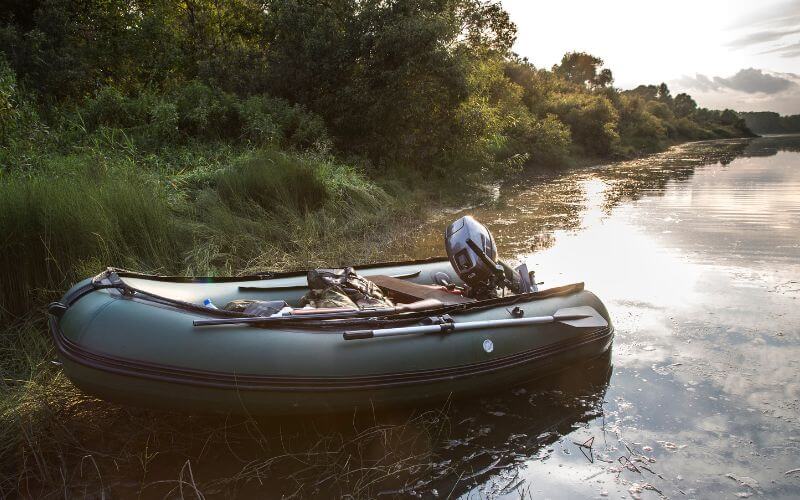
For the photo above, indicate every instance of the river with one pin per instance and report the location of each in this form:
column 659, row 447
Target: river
column 696, row 252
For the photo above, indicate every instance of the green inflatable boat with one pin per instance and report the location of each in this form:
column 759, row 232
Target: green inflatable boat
column 148, row 341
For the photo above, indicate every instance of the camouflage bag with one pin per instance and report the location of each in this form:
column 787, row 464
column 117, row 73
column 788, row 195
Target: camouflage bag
column 343, row 288
column 256, row 307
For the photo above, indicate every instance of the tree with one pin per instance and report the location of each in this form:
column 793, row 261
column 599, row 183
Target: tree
column 486, row 25
column 644, row 92
column 729, row 117
column 391, row 78
column 683, row 105
column 663, row 94
column 583, row 69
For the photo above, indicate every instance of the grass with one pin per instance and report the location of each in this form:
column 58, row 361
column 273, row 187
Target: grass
column 54, row 226
column 253, row 208
column 65, row 216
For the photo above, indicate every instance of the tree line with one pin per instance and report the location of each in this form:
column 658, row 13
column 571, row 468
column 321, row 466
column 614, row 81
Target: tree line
column 410, row 85
column 768, row 122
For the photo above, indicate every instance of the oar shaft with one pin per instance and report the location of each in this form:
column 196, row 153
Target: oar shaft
column 453, row 327
column 457, row 327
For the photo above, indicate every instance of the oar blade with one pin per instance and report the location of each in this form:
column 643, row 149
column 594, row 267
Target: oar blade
column 581, row 317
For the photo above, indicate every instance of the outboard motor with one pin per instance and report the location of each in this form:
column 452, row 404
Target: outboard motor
column 473, row 254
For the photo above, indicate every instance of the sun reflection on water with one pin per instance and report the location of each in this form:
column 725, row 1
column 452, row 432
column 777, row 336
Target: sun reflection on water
column 695, row 252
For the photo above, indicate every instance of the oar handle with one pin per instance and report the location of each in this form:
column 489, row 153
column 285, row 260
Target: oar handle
column 357, row 334
column 391, row 332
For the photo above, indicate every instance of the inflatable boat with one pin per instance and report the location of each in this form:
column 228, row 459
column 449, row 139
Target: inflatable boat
column 148, row 340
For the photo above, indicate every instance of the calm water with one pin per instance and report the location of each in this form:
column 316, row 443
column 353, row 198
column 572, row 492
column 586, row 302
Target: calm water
column 696, row 253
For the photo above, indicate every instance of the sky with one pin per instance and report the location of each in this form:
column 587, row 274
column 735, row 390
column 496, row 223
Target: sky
column 737, row 54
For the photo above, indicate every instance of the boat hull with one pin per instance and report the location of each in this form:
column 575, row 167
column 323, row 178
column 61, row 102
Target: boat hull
column 133, row 351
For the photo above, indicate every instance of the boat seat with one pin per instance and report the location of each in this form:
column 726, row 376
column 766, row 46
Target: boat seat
column 407, row 291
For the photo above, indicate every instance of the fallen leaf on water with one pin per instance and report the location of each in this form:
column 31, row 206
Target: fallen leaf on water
column 744, row 480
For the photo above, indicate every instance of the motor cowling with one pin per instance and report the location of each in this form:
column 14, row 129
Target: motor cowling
column 464, row 240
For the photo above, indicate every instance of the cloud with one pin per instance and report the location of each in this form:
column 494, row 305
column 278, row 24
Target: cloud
column 771, row 24
column 698, row 82
column 760, row 37
column 791, row 50
column 747, row 90
column 754, row 80
column 781, row 15
column 750, row 81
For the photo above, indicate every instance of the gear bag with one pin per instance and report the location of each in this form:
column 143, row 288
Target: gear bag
column 343, row 288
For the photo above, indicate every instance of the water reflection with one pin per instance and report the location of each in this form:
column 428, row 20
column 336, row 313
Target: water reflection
column 497, row 437
column 429, row 452
column 772, row 145
column 529, row 211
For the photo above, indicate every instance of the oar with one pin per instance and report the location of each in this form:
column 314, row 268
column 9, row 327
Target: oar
column 421, row 305
column 580, row 317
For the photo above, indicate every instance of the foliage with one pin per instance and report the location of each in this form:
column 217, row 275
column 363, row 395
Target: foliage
column 592, row 119
column 640, row 129
column 684, row 106
column 650, row 117
column 764, row 122
column 583, row 69
column 197, row 111
column 390, row 78
column 19, row 121
column 106, row 94
column 423, row 86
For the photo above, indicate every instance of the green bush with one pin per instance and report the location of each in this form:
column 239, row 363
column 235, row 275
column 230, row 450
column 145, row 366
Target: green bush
column 110, row 108
column 688, row 128
column 592, row 119
column 269, row 120
column 640, row 130
column 543, row 141
column 196, row 111
column 147, row 119
column 207, row 113
column 9, row 114
column 163, row 123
